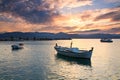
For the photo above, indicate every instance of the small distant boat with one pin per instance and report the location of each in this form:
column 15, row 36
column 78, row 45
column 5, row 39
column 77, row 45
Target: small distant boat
column 21, row 44
column 17, row 46
column 73, row 52
column 106, row 40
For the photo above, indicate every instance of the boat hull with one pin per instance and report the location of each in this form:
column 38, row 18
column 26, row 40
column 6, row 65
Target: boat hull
column 81, row 61
column 107, row 41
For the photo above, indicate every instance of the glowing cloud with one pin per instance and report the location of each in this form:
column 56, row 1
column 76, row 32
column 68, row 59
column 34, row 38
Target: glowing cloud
column 47, row 16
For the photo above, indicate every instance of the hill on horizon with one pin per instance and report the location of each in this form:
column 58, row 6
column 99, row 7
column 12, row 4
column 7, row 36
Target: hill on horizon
column 52, row 36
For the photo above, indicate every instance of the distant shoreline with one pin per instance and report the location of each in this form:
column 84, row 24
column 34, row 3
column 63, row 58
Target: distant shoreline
column 33, row 39
column 54, row 39
column 43, row 36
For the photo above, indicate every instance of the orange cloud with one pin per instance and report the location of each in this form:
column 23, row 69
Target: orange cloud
column 86, row 20
column 75, row 22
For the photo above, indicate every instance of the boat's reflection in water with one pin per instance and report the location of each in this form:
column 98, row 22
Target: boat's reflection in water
column 84, row 62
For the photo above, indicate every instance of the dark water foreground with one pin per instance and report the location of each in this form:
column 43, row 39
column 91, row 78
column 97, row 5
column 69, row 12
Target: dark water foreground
column 39, row 61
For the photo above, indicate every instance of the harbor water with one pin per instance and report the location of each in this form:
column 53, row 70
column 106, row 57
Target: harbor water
column 39, row 61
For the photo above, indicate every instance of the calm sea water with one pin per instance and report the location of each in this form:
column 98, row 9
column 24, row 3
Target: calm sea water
column 39, row 61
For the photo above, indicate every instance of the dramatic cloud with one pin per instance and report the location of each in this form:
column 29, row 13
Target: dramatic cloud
column 73, row 16
column 27, row 9
column 6, row 19
column 56, row 29
column 114, row 30
column 86, row 32
column 112, row 1
column 95, row 31
column 38, row 11
column 69, row 3
column 114, row 16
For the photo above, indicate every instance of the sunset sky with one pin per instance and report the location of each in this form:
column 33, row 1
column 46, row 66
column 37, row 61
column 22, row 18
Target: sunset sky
column 70, row 16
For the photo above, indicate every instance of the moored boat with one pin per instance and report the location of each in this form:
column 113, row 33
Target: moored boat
column 106, row 40
column 21, row 44
column 17, row 46
column 74, row 52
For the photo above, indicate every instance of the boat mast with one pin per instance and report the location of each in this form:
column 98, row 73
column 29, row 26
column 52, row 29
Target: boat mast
column 56, row 45
column 71, row 45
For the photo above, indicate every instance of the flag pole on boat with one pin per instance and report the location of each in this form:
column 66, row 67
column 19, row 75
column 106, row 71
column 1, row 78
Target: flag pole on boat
column 56, row 44
column 71, row 44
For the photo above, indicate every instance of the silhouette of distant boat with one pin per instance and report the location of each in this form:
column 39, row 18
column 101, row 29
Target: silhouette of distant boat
column 17, row 46
column 106, row 40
